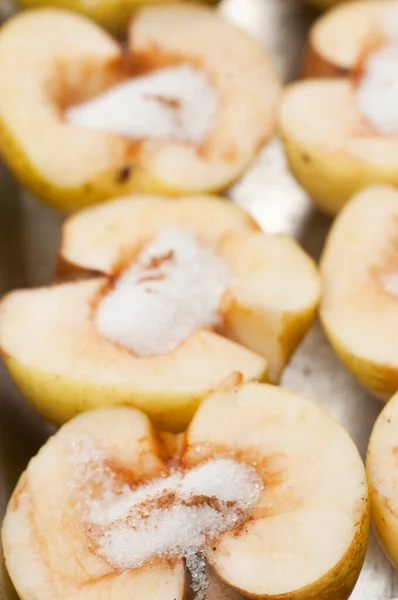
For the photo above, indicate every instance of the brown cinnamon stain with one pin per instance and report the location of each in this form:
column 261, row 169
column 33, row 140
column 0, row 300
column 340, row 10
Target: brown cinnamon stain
column 125, row 259
column 157, row 261
column 67, row 272
column 268, row 468
column 171, row 103
column 72, row 82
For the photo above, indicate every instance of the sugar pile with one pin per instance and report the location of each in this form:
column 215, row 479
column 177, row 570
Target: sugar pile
column 173, row 288
column 390, row 284
column 377, row 92
column 176, row 103
column 172, row 517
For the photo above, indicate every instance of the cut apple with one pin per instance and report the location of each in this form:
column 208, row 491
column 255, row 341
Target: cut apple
column 359, row 272
column 340, row 134
column 307, row 536
column 339, row 39
column 112, row 15
column 382, row 471
column 186, row 110
column 275, row 500
column 191, row 292
column 45, row 519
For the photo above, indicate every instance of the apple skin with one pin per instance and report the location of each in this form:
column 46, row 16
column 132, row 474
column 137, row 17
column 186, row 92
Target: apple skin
column 332, row 179
column 339, row 582
column 59, row 399
column 385, row 524
column 68, row 200
column 379, row 380
column 113, row 15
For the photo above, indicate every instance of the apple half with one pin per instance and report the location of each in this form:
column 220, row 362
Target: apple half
column 65, row 362
column 381, row 468
column 334, row 145
column 359, row 274
column 205, row 90
column 302, row 535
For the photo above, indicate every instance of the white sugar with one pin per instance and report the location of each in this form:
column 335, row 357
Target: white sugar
column 176, row 516
column 173, row 288
column 377, row 93
column 172, row 517
column 390, row 284
column 176, row 103
column 91, row 472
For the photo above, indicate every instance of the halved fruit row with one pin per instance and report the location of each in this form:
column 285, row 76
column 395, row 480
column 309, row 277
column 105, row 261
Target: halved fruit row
column 65, row 363
column 302, row 533
column 205, row 91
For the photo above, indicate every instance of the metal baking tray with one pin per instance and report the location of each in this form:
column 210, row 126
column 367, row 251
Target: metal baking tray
column 29, row 235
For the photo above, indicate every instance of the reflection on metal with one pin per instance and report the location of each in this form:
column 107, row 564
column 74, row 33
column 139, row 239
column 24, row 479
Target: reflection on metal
column 28, row 242
column 271, row 195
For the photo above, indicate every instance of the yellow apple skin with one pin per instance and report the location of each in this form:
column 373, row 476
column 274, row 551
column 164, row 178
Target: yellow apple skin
column 113, row 15
column 385, row 523
column 379, row 380
column 59, row 398
column 332, row 179
column 340, row 581
column 108, row 185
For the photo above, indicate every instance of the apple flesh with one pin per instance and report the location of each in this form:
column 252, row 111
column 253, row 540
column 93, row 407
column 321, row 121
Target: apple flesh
column 330, row 151
column 359, row 304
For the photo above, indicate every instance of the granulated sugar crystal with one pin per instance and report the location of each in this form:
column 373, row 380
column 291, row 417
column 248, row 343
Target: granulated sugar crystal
column 377, row 93
column 172, row 517
column 173, row 288
column 176, row 103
